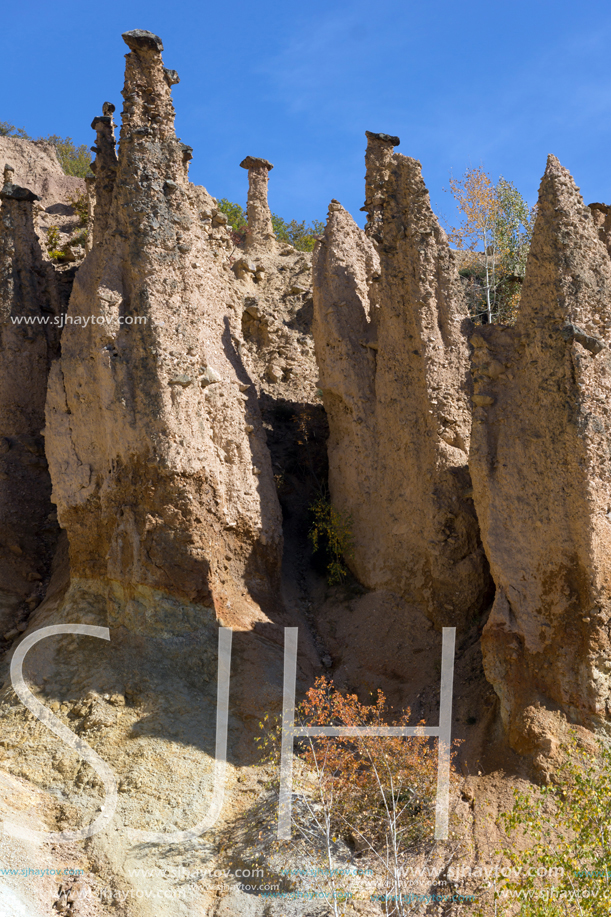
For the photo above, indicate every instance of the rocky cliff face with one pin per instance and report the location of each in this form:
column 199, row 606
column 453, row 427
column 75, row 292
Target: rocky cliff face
column 539, row 460
column 160, row 471
column 163, row 483
column 174, row 347
column 390, row 330
column 28, row 299
column 37, row 168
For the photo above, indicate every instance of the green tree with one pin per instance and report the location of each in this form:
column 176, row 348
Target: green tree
column 567, row 825
column 297, row 234
column 9, row 130
column 494, row 234
column 74, row 160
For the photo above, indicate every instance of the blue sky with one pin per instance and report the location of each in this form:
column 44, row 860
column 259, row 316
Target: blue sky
column 462, row 83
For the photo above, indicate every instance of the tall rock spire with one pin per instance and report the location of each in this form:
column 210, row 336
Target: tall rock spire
column 344, row 263
column 29, row 337
column 148, row 109
column 104, row 168
column 542, row 480
column 158, row 457
column 393, row 358
column 260, row 229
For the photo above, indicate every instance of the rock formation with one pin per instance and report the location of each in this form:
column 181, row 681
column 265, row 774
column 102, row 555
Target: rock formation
column 104, row 169
column 174, row 349
column 163, row 484
column 37, row 167
column 601, row 214
column 29, row 305
column 389, row 329
column 542, row 481
column 275, row 283
column 260, row 229
column 160, row 471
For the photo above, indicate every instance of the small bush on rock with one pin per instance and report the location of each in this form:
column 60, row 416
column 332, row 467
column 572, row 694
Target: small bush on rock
column 53, row 237
column 332, row 531
column 9, row 130
column 80, row 205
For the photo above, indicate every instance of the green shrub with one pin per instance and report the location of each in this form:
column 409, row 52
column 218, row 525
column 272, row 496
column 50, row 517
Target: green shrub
column 332, row 531
column 9, row 130
column 297, row 234
column 234, row 213
column 53, row 237
column 236, row 218
column 74, row 160
column 567, row 826
column 80, row 205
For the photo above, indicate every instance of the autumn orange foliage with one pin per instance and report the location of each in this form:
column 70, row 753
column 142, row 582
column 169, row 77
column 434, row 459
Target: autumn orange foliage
column 371, row 786
column 365, row 799
column 476, row 199
column 377, row 783
column 494, row 234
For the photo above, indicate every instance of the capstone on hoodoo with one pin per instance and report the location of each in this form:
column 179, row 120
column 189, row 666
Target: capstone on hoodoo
column 390, row 331
column 260, row 229
column 542, row 480
column 275, row 281
column 160, row 470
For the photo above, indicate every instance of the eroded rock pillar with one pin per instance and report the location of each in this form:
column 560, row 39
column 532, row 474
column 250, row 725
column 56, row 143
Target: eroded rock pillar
column 390, row 330
column 29, row 328
column 542, row 479
column 260, row 228
column 160, row 469
column 104, row 167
